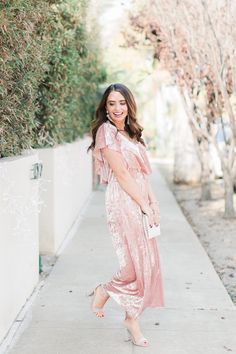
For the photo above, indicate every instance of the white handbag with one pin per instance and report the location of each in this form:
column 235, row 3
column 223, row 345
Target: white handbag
column 150, row 232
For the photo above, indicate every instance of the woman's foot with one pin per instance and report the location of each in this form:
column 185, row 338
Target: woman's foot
column 100, row 297
column 134, row 331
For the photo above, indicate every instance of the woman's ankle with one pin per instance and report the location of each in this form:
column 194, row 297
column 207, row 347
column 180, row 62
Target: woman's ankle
column 131, row 320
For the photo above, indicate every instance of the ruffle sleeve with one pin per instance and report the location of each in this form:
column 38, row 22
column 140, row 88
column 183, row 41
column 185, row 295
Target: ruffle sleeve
column 106, row 136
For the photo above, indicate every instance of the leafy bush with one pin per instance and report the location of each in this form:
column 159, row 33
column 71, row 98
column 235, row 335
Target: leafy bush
column 49, row 73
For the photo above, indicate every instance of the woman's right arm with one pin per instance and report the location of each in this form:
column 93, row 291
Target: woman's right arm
column 125, row 180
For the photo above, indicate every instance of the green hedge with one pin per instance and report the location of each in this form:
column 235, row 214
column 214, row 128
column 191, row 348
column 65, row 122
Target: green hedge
column 49, row 73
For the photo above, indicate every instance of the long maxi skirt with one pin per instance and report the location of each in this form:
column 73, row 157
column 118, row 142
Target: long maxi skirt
column 138, row 282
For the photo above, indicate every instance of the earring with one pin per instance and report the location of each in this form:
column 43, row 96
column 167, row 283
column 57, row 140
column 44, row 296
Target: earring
column 108, row 117
column 128, row 120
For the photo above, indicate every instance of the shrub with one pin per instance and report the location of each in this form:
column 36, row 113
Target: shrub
column 49, row 73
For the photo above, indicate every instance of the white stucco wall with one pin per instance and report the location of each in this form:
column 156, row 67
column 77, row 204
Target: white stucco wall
column 66, row 185
column 19, row 250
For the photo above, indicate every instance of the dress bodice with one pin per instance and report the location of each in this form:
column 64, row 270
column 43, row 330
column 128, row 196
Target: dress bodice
column 133, row 153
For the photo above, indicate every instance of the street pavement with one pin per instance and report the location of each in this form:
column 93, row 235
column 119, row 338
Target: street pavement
column 198, row 318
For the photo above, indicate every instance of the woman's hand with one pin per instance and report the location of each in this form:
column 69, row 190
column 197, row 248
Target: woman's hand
column 156, row 212
column 148, row 211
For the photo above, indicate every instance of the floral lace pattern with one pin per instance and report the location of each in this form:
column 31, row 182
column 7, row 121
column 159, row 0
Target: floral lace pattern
column 138, row 282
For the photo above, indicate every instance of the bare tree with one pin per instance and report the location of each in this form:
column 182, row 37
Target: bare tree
column 207, row 29
column 195, row 41
column 170, row 51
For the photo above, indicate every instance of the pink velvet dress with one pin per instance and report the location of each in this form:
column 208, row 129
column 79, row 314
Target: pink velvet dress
column 138, row 282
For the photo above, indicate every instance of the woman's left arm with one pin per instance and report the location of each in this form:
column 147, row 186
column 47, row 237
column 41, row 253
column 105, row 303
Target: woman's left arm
column 151, row 195
column 154, row 205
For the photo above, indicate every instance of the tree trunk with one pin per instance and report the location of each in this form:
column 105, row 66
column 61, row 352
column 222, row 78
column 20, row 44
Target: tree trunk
column 187, row 167
column 229, row 195
column 206, row 171
column 202, row 149
column 202, row 138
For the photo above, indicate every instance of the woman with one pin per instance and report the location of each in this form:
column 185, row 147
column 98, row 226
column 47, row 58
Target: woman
column 121, row 162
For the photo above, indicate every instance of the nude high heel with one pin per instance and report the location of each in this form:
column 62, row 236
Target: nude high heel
column 97, row 310
column 141, row 342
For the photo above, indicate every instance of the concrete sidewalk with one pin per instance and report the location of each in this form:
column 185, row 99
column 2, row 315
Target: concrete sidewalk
column 199, row 317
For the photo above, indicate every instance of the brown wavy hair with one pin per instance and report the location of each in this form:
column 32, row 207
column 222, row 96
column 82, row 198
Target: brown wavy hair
column 134, row 129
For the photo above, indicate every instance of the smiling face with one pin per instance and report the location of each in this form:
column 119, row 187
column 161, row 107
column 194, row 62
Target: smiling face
column 117, row 107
